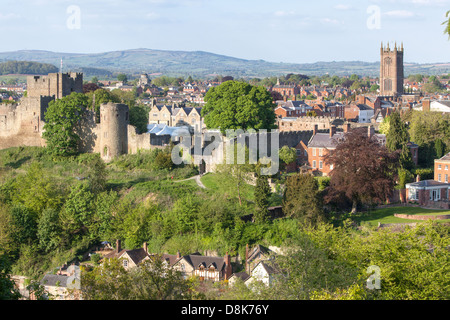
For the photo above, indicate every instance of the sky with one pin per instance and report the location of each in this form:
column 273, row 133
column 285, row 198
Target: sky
column 291, row 31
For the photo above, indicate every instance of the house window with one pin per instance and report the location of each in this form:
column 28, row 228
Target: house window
column 320, row 152
column 125, row 263
column 331, row 166
column 446, row 167
column 446, row 178
column 435, row 195
column 314, row 163
column 439, row 177
column 320, row 165
column 439, row 166
column 414, row 194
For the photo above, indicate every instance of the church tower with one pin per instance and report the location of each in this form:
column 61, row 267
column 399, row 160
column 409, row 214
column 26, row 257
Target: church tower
column 391, row 71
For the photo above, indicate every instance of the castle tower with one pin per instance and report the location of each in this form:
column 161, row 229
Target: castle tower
column 114, row 120
column 58, row 85
column 391, row 70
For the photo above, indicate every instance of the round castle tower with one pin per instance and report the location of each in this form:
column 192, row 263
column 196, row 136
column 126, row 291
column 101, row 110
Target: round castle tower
column 113, row 129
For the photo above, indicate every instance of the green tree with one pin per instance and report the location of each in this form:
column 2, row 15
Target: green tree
column 24, row 224
column 287, row 155
column 397, row 139
column 61, row 122
column 78, row 209
column 99, row 97
column 8, row 289
column 446, row 23
column 97, row 173
column 49, row 230
column 235, row 175
column 139, row 117
column 150, row 280
column 36, row 190
column 238, row 105
column 262, row 194
column 122, row 77
column 302, row 199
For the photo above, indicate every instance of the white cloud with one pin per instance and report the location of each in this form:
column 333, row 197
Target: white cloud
column 400, row 14
column 331, row 21
column 343, row 7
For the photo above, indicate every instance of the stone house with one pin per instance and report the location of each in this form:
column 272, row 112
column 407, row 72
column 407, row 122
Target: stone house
column 264, row 272
column 129, row 258
column 206, row 268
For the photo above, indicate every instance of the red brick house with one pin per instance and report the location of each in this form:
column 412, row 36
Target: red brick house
column 321, row 144
column 432, row 192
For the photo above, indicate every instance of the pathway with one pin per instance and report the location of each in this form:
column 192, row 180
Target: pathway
column 197, row 179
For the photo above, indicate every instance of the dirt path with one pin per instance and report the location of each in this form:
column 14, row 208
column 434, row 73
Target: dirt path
column 197, row 180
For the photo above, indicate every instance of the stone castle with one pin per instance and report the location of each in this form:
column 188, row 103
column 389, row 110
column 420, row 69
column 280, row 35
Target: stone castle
column 22, row 124
column 111, row 135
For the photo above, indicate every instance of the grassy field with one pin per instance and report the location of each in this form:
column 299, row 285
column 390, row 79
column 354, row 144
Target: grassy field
column 386, row 215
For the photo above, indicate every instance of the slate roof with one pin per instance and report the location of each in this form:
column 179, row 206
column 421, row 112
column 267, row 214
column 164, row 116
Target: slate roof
column 323, row 140
column 444, row 158
column 241, row 275
column 137, row 255
column 426, row 183
column 52, row 279
column 195, row 261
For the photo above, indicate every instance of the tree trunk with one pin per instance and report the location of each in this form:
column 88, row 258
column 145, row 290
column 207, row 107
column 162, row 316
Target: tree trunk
column 354, row 206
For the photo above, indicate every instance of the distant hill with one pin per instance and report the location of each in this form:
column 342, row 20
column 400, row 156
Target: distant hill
column 26, row 67
column 200, row 63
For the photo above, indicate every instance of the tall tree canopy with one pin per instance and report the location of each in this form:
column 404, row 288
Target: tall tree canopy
column 61, row 120
column 397, row 138
column 364, row 170
column 238, row 105
column 302, row 199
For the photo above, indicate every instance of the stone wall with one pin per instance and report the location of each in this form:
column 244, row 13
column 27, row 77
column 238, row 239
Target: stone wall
column 421, row 217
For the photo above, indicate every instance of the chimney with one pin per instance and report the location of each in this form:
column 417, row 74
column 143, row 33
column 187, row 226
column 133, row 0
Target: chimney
column 361, row 99
column 418, row 178
column 316, row 128
column 145, row 247
column 425, row 105
column 347, row 127
column 178, row 255
column 228, row 267
column 332, row 131
column 370, row 131
column 118, row 248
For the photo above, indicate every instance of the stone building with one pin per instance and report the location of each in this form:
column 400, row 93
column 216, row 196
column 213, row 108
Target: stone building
column 391, row 71
column 22, row 124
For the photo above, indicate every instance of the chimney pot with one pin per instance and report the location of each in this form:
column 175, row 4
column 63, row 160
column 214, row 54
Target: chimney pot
column 118, row 248
column 332, row 131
